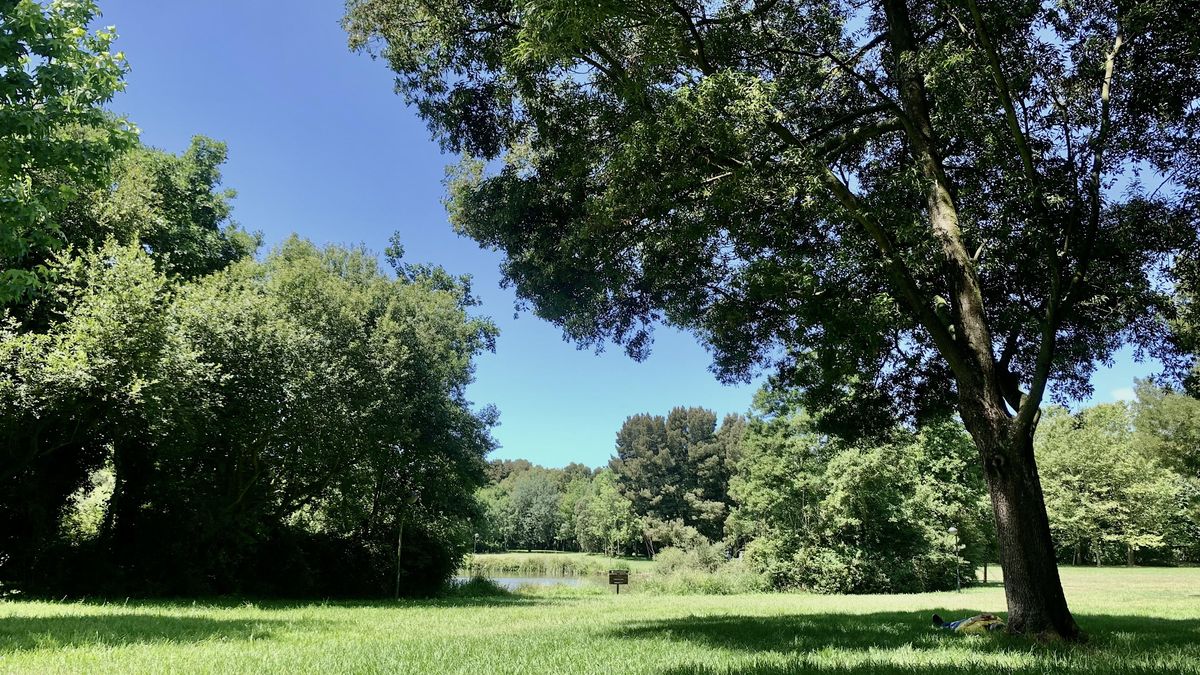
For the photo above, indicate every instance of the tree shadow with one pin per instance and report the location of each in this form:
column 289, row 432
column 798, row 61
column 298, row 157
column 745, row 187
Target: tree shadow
column 1113, row 641
column 21, row 633
column 248, row 602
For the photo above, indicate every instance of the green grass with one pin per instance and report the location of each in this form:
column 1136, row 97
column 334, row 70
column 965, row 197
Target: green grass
column 1140, row 621
column 550, row 563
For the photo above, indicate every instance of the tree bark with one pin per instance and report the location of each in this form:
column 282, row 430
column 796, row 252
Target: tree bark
column 1036, row 603
column 1032, row 587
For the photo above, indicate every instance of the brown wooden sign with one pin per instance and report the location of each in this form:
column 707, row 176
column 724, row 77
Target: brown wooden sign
column 618, row 578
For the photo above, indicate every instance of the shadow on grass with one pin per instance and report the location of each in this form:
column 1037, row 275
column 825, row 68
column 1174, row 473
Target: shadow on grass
column 240, row 602
column 1115, row 644
column 19, row 633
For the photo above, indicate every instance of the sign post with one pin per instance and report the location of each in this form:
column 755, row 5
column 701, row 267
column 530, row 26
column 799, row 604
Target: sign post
column 618, row 578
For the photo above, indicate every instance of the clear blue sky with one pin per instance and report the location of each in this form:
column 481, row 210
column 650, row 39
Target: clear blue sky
column 320, row 145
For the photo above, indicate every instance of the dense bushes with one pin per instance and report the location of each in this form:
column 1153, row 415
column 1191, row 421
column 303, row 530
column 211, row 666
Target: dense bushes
column 260, row 430
column 820, row 514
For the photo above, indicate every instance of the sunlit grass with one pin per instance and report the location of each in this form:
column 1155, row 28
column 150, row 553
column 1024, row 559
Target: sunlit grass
column 1140, row 621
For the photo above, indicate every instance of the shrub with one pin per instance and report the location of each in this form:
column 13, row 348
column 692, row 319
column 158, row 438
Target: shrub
column 476, row 587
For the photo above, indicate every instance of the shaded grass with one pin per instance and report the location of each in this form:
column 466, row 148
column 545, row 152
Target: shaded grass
column 1139, row 621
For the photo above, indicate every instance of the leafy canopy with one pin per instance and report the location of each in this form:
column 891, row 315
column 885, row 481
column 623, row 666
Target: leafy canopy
column 765, row 174
column 56, row 140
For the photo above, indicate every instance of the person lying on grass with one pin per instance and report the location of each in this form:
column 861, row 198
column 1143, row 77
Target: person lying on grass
column 980, row 623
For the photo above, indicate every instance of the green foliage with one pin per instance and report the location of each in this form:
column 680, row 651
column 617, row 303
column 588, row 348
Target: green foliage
column 692, row 163
column 1109, row 497
column 1167, row 426
column 604, row 518
column 56, row 140
column 677, row 468
column 267, row 425
column 728, row 578
column 529, row 507
column 173, row 206
column 534, row 500
column 821, row 514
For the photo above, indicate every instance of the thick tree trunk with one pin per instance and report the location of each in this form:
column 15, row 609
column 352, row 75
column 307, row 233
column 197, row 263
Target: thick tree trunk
column 1036, row 603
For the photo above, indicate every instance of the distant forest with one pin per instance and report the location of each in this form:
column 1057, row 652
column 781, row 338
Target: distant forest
column 811, row 510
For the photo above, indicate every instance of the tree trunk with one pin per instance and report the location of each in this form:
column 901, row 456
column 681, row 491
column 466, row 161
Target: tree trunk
column 1129, row 557
column 1036, row 603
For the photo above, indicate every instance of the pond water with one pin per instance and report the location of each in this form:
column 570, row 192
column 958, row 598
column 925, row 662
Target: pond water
column 513, row 583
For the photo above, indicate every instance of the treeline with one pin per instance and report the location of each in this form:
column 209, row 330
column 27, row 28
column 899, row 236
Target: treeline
column 809, row 510
column 666, row 486
column 178, row 416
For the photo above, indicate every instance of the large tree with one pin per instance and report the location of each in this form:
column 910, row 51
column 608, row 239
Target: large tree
column 904, row 205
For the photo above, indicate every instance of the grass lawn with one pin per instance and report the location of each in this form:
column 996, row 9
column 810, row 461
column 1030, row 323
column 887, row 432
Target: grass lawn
column 1140, row 621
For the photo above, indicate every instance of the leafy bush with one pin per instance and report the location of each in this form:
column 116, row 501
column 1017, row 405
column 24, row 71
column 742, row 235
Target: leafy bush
column 476, row 587
column 829, row 517
column 730, row 578
column 702, row 557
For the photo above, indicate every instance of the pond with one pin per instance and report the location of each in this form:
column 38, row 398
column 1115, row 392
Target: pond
column 513, row 583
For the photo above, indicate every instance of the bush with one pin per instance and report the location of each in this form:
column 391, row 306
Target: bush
column 476, row 587
column 731, row 578
column 702, row 557
column 538, row 565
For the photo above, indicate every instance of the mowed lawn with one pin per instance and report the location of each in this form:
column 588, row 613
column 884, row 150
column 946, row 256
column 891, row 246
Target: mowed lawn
column 1140, row 621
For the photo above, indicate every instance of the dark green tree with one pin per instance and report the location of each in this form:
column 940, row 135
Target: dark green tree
column 677, row 468
column 646, row 472
column 904, row 205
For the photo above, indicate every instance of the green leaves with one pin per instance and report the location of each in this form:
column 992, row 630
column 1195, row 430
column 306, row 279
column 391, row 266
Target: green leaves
column 1107, row 495
column 56, row 140
column 829, row 515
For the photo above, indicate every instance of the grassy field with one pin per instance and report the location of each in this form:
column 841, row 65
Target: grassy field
column 1140, row 621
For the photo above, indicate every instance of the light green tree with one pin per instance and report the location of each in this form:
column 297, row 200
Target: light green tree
column 56, row 140
column 1106, row 496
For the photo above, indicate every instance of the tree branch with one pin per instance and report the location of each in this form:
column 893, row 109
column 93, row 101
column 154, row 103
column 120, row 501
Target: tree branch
column 905, row 285
column 835, row 146
column 1010, row 112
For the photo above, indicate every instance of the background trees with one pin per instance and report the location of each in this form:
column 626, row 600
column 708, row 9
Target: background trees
column 677, row 468
column 825, row 513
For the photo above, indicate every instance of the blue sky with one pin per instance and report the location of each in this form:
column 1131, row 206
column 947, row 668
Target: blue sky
column 320, row 145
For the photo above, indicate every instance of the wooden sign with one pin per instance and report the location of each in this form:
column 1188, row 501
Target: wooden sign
column 618, row 578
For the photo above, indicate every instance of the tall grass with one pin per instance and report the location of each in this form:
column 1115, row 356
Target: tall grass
column 548, row 564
